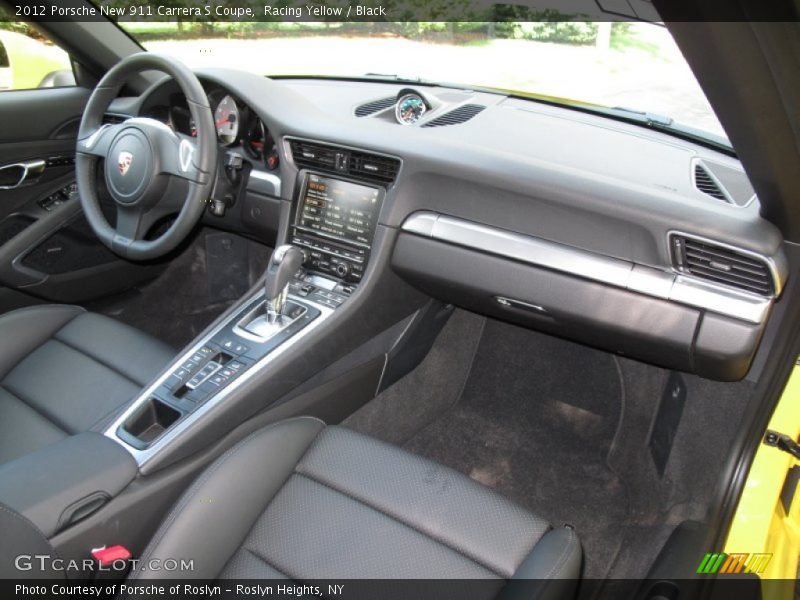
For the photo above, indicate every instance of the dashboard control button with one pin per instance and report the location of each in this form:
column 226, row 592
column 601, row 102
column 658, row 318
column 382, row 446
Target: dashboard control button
column 342, row 270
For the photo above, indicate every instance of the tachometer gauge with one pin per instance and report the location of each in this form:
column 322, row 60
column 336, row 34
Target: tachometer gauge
column 226, row 119
column 409, row 109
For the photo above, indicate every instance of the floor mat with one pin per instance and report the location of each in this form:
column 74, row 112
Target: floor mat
column 429, row 390
column 563, row 430
column 535, row 420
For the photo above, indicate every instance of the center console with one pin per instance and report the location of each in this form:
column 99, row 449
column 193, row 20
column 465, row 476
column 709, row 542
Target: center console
column 332, row 226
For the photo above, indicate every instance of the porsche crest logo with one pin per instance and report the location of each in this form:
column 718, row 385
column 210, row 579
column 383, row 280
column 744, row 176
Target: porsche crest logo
column 124, row 161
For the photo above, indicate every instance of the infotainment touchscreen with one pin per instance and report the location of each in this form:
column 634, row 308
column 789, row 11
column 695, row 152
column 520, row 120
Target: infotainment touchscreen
column 340, row 209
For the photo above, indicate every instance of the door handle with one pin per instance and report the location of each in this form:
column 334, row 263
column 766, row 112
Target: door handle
column 14, row 175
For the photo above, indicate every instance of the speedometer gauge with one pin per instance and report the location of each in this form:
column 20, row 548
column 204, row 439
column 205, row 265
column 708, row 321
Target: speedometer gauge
column 226, row 120
column 410, row 108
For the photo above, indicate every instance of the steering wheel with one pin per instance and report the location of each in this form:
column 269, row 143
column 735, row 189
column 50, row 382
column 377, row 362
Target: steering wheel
column 150, row 170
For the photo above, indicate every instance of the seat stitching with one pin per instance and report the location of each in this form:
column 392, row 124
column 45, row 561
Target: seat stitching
column 269, row 563
column 406, row 524
column 266, row 561
column 96, row 359
column 48, row 337
column 29, row 403
column 192, row 491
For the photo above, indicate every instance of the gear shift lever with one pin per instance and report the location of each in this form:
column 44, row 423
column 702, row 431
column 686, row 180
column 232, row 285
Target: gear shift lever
column 283, row 265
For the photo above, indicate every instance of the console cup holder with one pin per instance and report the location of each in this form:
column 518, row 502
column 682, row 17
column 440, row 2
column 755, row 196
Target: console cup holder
column 150, row 421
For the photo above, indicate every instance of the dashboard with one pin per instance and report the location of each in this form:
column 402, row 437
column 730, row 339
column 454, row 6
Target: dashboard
column 597, row 230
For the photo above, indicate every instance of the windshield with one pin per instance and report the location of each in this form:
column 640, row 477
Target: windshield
column 629, row 65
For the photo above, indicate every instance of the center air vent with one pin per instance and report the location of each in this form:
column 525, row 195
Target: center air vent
column 706, row 183
column 371, row 166
column 376, row 105
column 457, row 115
column 721, row 264
column 361, row 165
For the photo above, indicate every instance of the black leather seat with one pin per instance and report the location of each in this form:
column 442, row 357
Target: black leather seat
column 306, row 501
column 64, row 371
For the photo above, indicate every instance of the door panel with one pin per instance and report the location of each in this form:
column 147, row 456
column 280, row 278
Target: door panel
column 46, row 248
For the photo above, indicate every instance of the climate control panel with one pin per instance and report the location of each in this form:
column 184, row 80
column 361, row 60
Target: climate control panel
column 338, row 260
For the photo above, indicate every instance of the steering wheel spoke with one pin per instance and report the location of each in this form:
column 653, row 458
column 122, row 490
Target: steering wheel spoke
column 98, row 143
column 129, row 222
column 178, row 157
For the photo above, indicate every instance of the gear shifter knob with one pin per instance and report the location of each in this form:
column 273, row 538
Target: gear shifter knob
column 283, row 264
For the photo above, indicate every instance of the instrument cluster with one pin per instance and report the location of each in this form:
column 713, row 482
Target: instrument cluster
column 236, row 123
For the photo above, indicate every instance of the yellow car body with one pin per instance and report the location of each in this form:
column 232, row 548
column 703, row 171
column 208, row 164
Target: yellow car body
column 763, row 523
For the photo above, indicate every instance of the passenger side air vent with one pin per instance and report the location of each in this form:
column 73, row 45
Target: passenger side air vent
column 360, row 165
column 458, row 115
column 376, row 105
column 722, row 265
column 704, row 182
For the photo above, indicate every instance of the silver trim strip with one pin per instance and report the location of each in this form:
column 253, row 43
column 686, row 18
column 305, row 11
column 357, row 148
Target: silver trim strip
column 718, row 299
column 611, row 271
column 143, row 456
column 524, row 248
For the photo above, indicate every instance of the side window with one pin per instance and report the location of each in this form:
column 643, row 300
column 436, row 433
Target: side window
column 29, row 61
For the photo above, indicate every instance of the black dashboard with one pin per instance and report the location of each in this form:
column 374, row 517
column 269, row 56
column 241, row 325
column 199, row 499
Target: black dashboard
column 602, row 231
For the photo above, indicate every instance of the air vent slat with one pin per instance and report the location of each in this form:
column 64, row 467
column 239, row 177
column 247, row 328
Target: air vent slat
column 734, row 277
column 373, row 166
column 706, row 184
column 371, row 108
column 458, row 115
column 313, row 155
column 734, row 270
column 753, row 266
column 723, row 265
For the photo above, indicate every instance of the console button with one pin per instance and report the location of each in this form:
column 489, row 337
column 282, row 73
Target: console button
column 235, row 365
column 234, row 346
column 181, row 374
column 219, row 379
column 325, row 301
column 203, row 374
